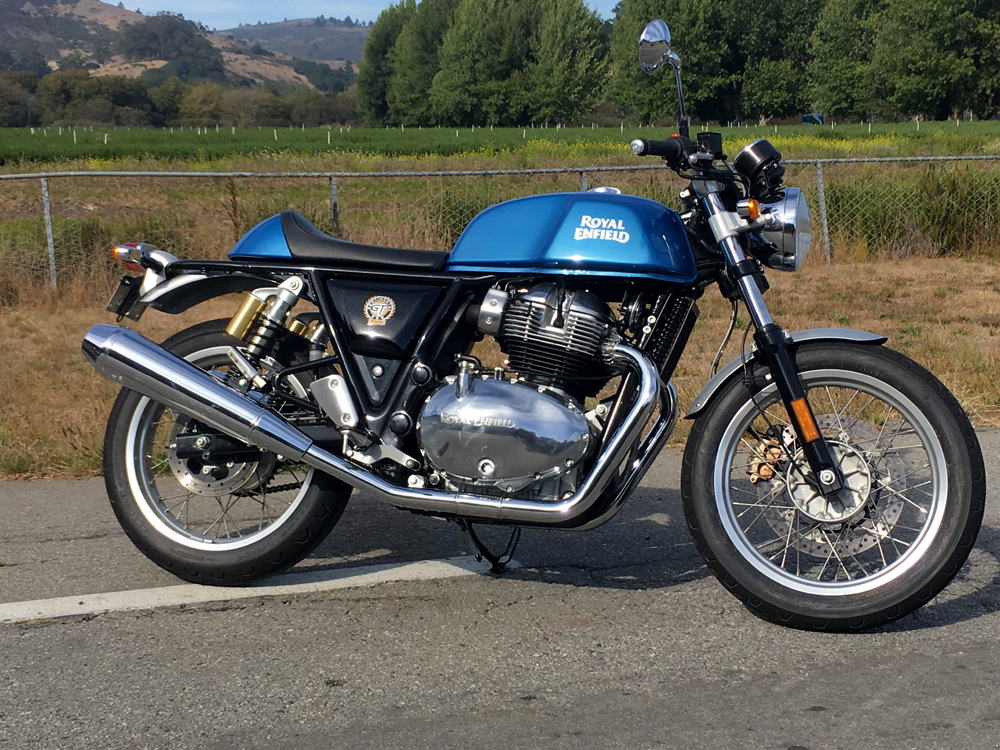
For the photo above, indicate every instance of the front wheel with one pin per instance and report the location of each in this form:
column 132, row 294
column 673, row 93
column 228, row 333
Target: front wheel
column 909, row 516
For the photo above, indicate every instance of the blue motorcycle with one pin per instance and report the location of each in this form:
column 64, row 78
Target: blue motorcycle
column 828, row 481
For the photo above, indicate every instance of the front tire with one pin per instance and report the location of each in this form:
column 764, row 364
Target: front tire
column 911, row 514
column 228, row 521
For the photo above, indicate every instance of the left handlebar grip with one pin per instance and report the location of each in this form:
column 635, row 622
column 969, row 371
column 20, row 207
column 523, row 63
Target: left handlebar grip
column 673, row 150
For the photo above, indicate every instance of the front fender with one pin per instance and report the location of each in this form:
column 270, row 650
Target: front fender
column 798, row 337
column 185, row 290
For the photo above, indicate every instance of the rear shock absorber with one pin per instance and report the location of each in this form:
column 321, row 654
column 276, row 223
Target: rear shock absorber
column 261, row 318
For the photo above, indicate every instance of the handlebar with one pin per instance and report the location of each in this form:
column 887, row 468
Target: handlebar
column 674, row 151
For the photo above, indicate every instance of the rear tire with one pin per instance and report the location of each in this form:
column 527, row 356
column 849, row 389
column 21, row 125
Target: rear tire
column 913, row 511
column 225, row 523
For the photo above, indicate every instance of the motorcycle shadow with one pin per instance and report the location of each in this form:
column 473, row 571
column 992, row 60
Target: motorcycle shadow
column 645, row 546
column 974, row 593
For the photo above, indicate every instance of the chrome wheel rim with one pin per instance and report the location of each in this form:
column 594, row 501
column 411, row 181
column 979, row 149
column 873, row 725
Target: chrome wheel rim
column 905, row 489
column 228, row 507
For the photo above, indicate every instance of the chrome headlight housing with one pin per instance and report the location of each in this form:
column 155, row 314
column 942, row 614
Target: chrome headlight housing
column 789, row 229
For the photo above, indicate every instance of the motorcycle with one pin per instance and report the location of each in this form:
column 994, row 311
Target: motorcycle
column 829, row 482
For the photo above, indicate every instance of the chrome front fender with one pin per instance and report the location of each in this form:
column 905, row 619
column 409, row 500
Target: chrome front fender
column 798, row 337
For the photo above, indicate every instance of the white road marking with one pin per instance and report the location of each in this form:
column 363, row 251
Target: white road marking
column 283, row 585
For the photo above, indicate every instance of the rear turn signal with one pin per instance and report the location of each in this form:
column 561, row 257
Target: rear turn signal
column 128, row 256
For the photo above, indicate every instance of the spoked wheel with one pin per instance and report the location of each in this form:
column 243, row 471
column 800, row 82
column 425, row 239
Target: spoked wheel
column 201, row 505
column 898, row 532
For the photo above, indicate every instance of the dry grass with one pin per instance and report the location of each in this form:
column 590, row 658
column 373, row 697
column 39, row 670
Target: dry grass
column 944, row 313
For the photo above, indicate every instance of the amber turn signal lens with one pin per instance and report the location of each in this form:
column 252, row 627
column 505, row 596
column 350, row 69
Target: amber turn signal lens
column 753, row 209
column 805, row 420
column 123, row 254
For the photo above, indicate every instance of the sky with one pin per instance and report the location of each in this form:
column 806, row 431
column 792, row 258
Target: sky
column 226, row 14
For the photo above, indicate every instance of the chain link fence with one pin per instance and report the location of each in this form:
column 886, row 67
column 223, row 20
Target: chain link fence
column 57, row 228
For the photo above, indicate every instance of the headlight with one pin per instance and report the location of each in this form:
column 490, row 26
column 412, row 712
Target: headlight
column 792, row 230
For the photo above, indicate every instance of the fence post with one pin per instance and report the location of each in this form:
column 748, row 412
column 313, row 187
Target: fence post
column 48, row 231
column 334, row 209
column 583, row 182
column 822, row 209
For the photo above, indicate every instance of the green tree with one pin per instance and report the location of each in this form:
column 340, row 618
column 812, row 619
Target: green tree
column 202, row 105
column 723, row 45
column 167, row 100
column 376, row 65
column 773, row 88
column 322, row 76
column 414, row 62
column 840, row 80
column 484, row 62
column 167, row 36
column 16, row 109
column 57, row 92
column 924, row 61
column 566, row 77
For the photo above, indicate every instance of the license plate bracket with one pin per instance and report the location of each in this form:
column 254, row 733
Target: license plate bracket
column 124, row 302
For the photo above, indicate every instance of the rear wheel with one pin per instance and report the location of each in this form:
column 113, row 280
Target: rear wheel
column 228, row 518
column 908, row 517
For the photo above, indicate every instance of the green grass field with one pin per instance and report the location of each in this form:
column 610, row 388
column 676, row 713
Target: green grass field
column 22, row 147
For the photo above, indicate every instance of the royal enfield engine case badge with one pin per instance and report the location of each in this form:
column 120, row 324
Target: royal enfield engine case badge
column 379, row 309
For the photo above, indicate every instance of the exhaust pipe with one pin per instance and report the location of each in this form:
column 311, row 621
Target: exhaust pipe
column 124, row 356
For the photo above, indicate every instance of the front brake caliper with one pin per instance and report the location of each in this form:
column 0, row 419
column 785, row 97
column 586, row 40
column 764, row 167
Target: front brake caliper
column 763, row 462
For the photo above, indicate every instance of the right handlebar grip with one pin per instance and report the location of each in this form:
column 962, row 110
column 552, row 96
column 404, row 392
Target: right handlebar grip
column 673, row 150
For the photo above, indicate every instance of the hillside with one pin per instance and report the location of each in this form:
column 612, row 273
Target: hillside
column 322, row 39
column 47, row 31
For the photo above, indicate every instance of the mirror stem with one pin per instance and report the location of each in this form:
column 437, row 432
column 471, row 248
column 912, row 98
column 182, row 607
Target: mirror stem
column 682, row 123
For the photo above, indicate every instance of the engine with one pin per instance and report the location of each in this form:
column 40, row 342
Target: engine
column 522, row 431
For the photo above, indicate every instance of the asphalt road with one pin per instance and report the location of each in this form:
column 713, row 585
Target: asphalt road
column 615, row 638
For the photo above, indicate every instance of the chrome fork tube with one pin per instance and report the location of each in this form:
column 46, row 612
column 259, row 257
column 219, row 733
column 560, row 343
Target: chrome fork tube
column 752, row 295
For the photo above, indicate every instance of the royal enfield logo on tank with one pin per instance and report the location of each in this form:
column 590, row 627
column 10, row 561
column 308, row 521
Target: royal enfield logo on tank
column 594, row 228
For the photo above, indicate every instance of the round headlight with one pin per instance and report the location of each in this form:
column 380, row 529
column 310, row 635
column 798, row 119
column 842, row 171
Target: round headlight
column 793, row 231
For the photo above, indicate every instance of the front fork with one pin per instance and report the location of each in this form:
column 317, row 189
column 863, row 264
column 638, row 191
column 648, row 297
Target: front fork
column 772, row 345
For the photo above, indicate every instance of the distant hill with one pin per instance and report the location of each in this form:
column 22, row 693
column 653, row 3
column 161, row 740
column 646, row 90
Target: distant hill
column 38, row 35
column 322, row 39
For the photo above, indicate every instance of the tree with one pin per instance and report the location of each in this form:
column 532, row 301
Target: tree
column 722, row 46
column 167, row 100
column 924, row 61
column 15, row 100
column 773, row 88
column 167, row 36
column 202, row 105
column 484, row 60
column 414, row 62
column 840, row 80
column 26, row 57
column 655, row 97
column 376, row 66
column 322, row 76
column 566, row 77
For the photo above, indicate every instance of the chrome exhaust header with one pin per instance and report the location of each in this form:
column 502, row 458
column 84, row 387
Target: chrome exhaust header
column 135, row 362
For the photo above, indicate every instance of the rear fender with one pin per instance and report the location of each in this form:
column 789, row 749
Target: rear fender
column 185, row 290
column 714, row 385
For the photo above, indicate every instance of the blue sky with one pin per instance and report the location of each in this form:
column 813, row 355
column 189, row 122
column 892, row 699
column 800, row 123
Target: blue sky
column 224, row 14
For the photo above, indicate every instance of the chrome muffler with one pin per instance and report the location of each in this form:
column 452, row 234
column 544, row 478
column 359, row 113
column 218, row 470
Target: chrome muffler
column 124, row 356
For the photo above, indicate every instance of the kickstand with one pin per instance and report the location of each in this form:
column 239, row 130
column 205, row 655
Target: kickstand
column 498, row 562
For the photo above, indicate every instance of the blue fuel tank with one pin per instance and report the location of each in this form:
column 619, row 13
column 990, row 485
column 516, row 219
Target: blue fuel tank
column 587, row 234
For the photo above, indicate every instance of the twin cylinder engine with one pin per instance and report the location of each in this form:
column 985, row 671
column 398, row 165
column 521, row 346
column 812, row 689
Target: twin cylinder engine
column 523, row 436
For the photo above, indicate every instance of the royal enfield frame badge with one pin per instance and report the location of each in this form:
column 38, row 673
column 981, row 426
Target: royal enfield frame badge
column 379, row 309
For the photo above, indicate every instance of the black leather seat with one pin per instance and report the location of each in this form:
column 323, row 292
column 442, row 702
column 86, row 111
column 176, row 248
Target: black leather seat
column 306, row 242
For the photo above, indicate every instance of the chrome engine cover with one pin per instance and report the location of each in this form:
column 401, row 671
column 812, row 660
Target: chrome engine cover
column 508, row 436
